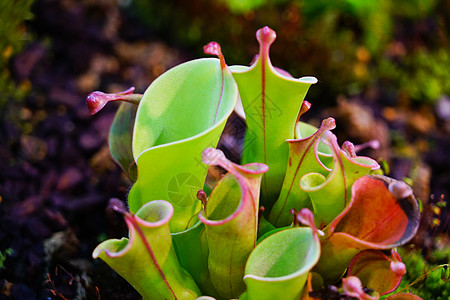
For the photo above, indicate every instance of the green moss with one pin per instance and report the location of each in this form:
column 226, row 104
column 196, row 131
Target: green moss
column 424, row 277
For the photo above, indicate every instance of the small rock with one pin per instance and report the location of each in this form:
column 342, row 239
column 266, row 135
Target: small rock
column 21, row 291
column 33, row 148
column 90, row 141
column 69, row 179
column 443, row 108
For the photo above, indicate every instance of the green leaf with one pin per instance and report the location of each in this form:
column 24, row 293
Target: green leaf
column 120, row 139
column 382, row 214
column 271, row 101
column 191, row 248
column 231, row 221
column 181, row 113
column 303, row 159
column 279, row 265
column 264, row 226
column 147, row 259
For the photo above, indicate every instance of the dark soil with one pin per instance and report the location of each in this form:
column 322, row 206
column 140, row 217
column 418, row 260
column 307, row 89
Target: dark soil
column 56, row 173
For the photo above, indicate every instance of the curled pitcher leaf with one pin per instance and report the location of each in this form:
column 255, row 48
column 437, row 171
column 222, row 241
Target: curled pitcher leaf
column 279, row 265
column 271, row 101
column 377, row 271
column 303, row 159
column 382, row 214
column 181, row 113
column 231, row 222
column 330, row 195
column 304, row 130
column 147, row 259
column 319, row 174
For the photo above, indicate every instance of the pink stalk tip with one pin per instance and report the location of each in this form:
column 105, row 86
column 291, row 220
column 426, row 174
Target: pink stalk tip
column 213, row 48
column 95, row 101
column 117, row 205
column 266, row 35
column 397, row 266
column 349, row 148
column 306, row 217
column 329, row 123
column 374, row 144
column 352, row 287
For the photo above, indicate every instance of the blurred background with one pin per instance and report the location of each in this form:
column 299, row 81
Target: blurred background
column 383, row 69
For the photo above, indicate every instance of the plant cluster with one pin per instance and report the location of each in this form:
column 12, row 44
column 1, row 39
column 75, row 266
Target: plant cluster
column 300, row 215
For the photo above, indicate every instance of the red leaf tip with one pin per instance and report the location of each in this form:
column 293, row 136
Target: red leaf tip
column 117, row 205
column 303, row 109
column 214, row 48
column 265, row 37
column 306, row 217
column 201, row 195
column 95, row 101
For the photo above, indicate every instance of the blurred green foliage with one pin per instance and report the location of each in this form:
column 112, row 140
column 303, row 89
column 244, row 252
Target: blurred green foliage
column 349, row 45
column 13, row 36
column 423, row 75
